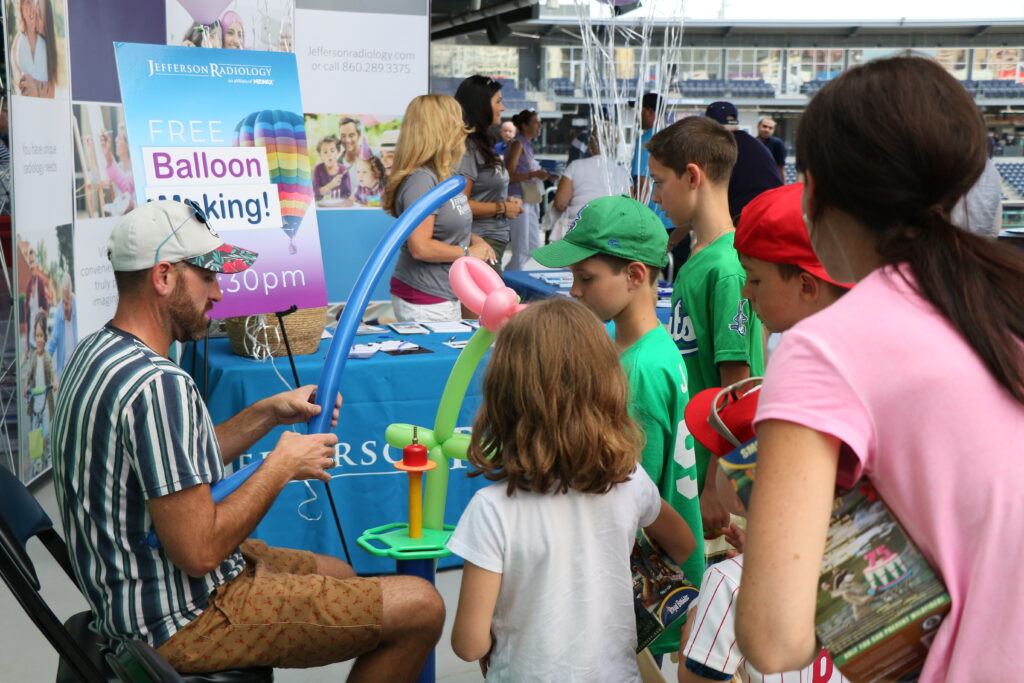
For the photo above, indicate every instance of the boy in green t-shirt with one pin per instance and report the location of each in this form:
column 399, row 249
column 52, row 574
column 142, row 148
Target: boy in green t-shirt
column 615, row 248
column 713, row 326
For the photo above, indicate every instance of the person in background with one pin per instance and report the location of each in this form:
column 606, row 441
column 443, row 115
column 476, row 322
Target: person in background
column 556, row 439
column 981, row 210
column 429, row 151
column 233, row 30
column 525, row 181
column 486, row 177
column 507, row 133
column 766, row 134
column 755, row 170
column 679, row 240
column 587, row 179
column 914, row 379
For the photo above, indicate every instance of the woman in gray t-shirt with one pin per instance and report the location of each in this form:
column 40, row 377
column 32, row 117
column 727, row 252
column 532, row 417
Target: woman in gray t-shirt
column 429, row 149
column 486, row 177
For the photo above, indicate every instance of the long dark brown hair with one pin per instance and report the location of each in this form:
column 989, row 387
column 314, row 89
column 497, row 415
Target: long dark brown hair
column 474, row 94
column 895, row 144
column 554, row 415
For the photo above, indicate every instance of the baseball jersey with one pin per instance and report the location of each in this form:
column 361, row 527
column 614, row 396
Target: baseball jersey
column 711, row 651
column 657, row 384
column 712, row 323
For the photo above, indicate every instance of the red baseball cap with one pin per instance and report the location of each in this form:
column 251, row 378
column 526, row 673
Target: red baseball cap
column 731, row 408
column 772, row 229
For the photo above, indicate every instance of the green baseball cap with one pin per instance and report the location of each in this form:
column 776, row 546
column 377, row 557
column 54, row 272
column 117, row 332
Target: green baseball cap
column 617, row 226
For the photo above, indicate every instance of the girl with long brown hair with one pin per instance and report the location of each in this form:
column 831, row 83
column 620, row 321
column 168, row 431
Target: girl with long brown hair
column 546, row 588
column 915, row 379
column 428, row 151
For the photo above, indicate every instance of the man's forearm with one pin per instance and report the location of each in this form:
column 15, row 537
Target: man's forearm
column 238, row 433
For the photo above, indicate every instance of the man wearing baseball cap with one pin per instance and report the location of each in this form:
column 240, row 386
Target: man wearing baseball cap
column 755, row 170
column 135, row 450
column 785, row 280
column 615, row 248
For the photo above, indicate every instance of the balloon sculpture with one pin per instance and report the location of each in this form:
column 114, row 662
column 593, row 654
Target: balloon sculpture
column 283, row 134
column 482, row 291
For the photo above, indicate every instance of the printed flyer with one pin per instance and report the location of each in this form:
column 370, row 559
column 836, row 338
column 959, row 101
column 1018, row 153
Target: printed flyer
column 225, row 128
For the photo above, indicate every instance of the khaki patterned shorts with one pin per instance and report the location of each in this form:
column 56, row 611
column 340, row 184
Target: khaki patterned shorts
column 278, row 612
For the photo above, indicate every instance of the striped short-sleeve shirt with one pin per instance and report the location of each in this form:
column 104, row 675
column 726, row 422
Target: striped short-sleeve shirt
column 130, row 425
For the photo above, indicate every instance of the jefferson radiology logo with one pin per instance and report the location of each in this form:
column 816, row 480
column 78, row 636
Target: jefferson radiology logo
column 740, row 320
column 248, row 73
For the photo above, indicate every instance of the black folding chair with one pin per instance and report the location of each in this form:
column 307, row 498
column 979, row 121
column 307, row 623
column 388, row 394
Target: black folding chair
column 84, row 654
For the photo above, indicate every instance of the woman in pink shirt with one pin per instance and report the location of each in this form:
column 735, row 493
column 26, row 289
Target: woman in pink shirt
column 915, row 379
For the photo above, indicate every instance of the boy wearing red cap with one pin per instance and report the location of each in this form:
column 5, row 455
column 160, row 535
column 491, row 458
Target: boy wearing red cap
column 785, row 280
column 712, row 324
column 615, row 248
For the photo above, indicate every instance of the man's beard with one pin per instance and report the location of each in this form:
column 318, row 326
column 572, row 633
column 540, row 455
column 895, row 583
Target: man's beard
column 187, row 323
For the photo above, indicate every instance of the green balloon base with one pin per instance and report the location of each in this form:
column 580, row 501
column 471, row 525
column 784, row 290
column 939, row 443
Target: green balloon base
column 392, row 540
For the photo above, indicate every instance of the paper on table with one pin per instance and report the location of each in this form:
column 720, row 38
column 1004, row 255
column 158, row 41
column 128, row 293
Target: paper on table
column 448, row 327
column 397, row 345
column 363, row 350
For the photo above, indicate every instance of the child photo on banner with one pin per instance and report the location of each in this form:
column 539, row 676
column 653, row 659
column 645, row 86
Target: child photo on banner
column 351, row 155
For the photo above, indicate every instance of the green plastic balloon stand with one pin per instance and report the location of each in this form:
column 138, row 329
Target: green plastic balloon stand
column 392, row 540
column 413, row 557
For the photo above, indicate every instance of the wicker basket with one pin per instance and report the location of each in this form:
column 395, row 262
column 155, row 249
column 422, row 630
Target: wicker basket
column 304, row 327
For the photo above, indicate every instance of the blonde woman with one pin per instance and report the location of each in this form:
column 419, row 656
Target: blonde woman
column 429, row 150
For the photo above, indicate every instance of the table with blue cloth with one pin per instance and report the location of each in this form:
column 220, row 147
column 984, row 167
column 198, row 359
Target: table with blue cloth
column 530, row 286
column 367, row 489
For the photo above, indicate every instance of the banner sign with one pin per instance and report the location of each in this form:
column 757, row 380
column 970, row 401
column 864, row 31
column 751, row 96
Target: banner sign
column 225, row 129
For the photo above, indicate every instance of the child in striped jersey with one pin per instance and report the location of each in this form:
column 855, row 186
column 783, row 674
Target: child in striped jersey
column 710, row 652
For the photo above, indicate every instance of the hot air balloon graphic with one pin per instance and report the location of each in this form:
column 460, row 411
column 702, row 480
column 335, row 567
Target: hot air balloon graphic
column 283, row 134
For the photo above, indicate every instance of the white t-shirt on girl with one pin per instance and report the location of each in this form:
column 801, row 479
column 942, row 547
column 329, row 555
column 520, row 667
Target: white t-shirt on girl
column 565, row 608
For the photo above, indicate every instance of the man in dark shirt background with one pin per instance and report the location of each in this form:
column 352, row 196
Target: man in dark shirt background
column 755, row 170
column 766, row 134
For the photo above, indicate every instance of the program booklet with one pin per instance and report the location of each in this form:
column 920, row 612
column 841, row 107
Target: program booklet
column 879, row 601
column 661, row 592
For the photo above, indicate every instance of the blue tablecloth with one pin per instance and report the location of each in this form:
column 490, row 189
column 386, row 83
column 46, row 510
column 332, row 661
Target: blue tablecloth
column 367, row 489
column 531, row 288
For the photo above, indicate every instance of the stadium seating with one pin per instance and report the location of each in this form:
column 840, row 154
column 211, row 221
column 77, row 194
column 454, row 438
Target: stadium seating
column 1012, row 173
